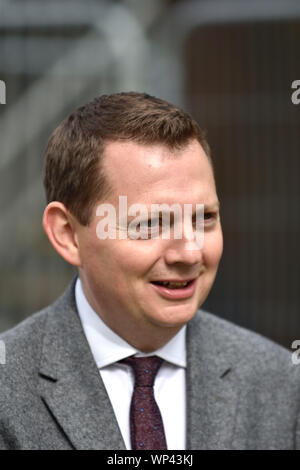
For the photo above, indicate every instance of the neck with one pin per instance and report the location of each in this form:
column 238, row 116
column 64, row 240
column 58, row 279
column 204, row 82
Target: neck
column 140, row 332
column 147, row 339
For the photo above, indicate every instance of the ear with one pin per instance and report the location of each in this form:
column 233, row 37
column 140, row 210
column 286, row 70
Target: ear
column 60, row 227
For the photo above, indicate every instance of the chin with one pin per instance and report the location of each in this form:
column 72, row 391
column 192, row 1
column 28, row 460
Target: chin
column 175, row 317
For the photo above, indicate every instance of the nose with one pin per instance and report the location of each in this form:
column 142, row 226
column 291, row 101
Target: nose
column 187, row 250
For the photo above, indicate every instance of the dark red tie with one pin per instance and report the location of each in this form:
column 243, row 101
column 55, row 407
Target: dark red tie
column 146, row 426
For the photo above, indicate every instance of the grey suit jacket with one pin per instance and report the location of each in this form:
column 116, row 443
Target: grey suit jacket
column 243, row 391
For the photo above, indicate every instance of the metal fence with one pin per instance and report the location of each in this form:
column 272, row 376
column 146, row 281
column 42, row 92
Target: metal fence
column 231, row 63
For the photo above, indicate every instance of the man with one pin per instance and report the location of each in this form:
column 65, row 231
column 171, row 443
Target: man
column 77, row 374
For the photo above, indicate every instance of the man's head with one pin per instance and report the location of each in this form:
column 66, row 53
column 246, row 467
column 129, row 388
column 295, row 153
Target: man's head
column 74, row 156
column 158, row 156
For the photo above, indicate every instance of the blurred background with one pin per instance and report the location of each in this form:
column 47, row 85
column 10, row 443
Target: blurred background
column 230, row 63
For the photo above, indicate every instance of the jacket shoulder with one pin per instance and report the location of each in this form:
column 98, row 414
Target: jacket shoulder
column 22, row 348
column 250, row 349
column 23, row 342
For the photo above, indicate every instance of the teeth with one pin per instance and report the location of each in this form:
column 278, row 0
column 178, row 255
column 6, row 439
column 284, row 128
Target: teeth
column 175, row 284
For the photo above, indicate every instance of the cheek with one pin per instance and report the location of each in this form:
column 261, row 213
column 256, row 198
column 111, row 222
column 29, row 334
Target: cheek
column 99, row 261
column 138, row 256
column 118, row 260
column 213, row 249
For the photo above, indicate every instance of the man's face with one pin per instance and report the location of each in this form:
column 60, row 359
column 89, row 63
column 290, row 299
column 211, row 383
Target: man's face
column 120, row 276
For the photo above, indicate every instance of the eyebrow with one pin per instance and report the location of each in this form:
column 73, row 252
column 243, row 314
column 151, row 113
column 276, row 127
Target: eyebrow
column 207, row 207
column 215, row 205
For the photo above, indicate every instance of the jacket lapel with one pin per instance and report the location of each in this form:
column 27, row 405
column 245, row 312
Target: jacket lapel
column 70, row 383
column 212, row 386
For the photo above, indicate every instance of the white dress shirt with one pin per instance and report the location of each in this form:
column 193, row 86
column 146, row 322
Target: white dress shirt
column 169, row 388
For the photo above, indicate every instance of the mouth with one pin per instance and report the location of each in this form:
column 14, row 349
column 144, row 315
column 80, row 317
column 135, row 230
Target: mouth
column 173, row 284
column 175, row 289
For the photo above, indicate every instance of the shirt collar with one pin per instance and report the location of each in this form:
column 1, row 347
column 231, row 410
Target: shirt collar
column 107, row 347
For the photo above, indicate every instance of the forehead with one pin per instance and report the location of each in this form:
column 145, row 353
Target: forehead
column 156, row 173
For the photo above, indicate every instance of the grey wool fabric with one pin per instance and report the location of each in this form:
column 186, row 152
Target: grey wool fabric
column 243, row 391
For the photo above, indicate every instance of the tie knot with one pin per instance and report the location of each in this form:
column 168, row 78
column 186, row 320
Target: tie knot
column 144, row 368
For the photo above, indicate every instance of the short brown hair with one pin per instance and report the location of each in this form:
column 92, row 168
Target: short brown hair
column 73, row 170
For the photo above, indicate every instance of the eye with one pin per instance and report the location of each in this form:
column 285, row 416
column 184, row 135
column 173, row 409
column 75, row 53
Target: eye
column 210, row 217
column 148, row 225
column 153, row 222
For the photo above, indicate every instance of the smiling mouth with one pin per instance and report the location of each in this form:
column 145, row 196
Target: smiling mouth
column 173, row 284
